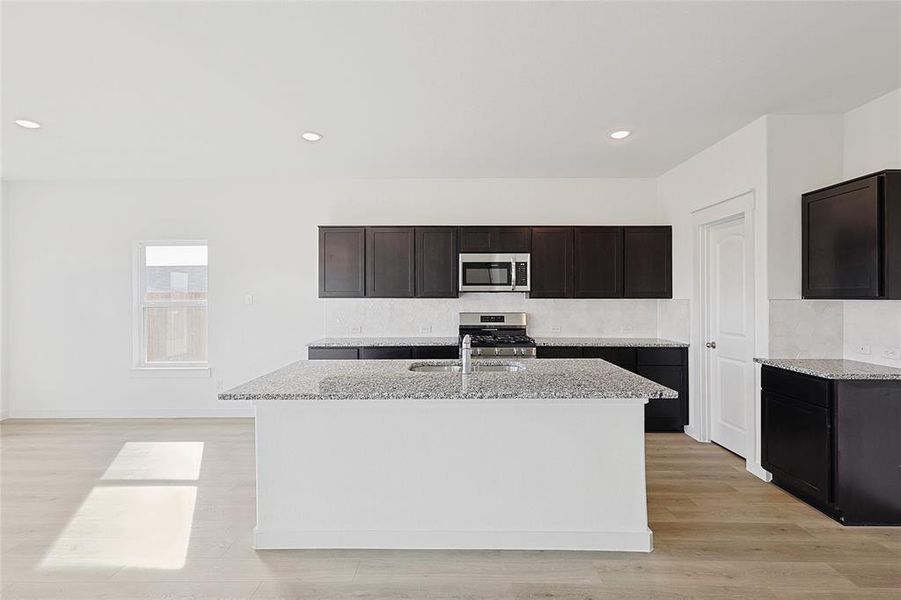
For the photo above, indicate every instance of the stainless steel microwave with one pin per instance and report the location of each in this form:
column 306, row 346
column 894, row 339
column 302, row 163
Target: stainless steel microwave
column 494, row 272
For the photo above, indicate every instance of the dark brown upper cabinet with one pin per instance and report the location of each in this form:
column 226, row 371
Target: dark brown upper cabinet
column 648, row 262
column 598, row 267
column 342, row 266
column 851, row 239
column 495, row 239
column 436, row 262
column 390, row 264
column 552, row 262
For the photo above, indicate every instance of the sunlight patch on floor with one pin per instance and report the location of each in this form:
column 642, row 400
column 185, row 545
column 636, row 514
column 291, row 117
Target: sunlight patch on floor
column 141, row 526
column 157, row 460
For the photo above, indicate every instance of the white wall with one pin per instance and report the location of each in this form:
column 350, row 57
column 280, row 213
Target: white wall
column 873, row 142
column 873, row 136
column 70, row 271
column 4, row 396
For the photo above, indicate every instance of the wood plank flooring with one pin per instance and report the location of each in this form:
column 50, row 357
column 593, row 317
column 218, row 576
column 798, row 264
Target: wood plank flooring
column 149, row 528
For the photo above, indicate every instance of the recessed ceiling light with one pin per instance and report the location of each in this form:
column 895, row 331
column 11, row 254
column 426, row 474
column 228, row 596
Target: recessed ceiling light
column 28, row 124
column 621, row 134
column 311, row 136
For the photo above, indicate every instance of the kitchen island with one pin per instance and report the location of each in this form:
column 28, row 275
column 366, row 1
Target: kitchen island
column 375, row 454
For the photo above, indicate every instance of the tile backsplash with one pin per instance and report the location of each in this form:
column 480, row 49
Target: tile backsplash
column 439, row 316
column 674, row 320
column 873, row 331
column 806, row 328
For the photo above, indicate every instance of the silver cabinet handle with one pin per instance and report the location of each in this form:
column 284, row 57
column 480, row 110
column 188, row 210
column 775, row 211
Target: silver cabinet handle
column 711, row 345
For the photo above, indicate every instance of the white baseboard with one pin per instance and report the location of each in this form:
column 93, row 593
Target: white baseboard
column 628, row 541
column 156, row 413
column 693, row 432
column 757, row 470
column 4, row 414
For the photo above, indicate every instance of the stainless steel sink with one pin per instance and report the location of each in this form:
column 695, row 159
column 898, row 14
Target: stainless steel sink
column 476, row 368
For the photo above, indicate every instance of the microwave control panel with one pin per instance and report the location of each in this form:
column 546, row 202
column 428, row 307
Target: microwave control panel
column 522, row 275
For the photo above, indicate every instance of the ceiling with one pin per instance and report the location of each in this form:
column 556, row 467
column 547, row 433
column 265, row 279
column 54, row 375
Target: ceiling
column 500, row 89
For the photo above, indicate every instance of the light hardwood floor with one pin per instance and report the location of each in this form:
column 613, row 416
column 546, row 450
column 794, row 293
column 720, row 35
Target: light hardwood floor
column 117, row 509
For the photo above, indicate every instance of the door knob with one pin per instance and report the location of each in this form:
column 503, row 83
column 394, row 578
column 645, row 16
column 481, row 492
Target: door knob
column 711, row 344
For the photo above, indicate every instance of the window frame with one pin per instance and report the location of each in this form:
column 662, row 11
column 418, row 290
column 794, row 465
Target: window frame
column 140, row 366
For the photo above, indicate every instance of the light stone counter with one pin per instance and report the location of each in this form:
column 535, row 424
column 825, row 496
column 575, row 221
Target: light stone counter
column 392, row 379
column 833, row 368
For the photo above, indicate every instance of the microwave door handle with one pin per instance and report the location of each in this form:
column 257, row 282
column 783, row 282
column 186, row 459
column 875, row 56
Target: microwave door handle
column 513, row 275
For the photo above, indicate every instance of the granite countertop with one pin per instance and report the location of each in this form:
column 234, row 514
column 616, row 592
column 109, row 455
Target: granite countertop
column 634, row 342
column 392, row 379
column 373, row 342
column 833, row 368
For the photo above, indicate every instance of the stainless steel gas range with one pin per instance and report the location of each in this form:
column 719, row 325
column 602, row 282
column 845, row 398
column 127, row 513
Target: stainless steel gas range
column 497, row 334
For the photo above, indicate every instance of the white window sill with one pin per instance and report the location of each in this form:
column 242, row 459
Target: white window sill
column 170, row 372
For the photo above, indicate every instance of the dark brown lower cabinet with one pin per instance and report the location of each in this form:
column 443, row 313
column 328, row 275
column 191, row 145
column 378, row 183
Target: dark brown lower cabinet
column 834, row 444
column 386, row 353
column 666, row 366
column 383, row 353
column 333, row 353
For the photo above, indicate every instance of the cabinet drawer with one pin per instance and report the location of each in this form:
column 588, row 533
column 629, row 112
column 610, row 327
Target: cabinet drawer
column 332, row 353
column 558, row 352
column 796, row 385
column 662, row 356
column 435, row 352
column 621, row 357
column 382, row 353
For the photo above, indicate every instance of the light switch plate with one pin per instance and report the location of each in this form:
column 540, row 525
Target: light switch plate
column 356, row 329
column 628, row 329
column 862, row 348
column 893, row 353
column 425, row 329
column 555, row 329
column 248, row 299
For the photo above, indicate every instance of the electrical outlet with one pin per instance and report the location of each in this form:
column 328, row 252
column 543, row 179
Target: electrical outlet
column 893, row 353
column 356, row 329
column 862, row 348
column 555, row 329
column 425, row 329
column 628, row 329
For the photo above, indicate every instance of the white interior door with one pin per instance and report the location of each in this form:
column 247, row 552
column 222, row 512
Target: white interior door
column 730, row 334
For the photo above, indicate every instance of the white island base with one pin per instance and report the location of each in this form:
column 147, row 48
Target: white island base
column 454, row 474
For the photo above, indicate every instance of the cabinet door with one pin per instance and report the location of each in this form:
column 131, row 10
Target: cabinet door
column 648, row 262
column 840, row 241
column 598, row 262
column 332, row 353
column 621, row 357
column 797, row 444
column 436, row 352
column 341, row 262
column 386, row 352
column 558, row 352
column 665, row 414
column 552, row 262
column 389, row 262
column 495, row 239
column 436, row 262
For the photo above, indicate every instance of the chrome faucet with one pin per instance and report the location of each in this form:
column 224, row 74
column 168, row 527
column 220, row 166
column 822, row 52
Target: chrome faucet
column 466, row 354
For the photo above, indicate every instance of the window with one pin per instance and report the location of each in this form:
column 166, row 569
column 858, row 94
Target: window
column 171, row 304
